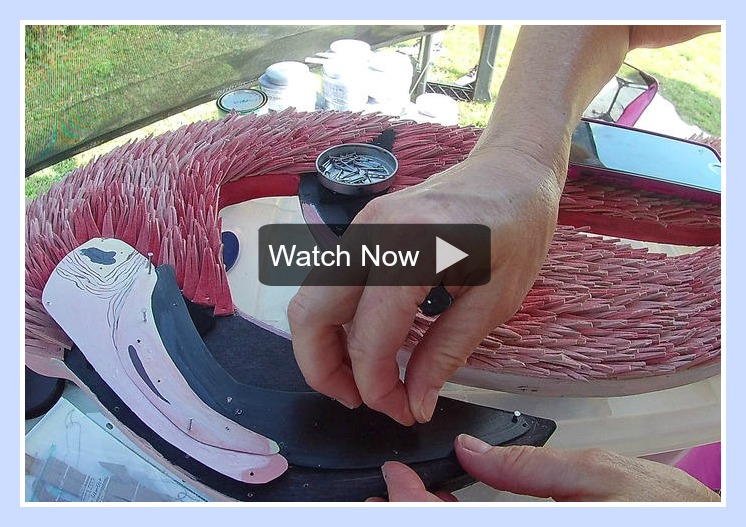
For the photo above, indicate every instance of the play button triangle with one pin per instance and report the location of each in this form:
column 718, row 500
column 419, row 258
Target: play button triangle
column 446, row 254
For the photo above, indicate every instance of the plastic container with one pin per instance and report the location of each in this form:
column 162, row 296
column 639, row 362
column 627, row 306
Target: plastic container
column 289, row 84
column 436, row 108
column 389, row 80
column 344, row 75
column 344, row 84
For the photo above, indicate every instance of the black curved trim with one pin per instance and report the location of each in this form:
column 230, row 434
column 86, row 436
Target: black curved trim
column 298, row 483
column 311, row 429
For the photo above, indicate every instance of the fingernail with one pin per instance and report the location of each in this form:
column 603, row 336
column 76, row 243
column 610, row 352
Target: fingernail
column 384, row 471
column 428, row 405
column 348, row 404
column 473, row 444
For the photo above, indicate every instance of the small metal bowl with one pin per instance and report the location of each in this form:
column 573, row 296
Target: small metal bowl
column 356, row 169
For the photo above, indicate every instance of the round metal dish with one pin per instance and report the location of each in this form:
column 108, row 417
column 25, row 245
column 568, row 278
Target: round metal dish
column 356, row 169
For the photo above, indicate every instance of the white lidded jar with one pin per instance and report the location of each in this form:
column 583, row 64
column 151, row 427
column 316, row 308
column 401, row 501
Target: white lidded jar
column 389, row 80
column 344, row 75
column 289, row 84
column 344, row 84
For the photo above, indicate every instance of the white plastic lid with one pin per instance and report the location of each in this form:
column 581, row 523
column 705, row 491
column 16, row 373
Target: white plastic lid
column 436, row 105
column 284, row 73
column 350, row 47
column 388, row 61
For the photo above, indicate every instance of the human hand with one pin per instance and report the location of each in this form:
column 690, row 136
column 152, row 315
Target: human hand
column 346, row 338
column 582, row 475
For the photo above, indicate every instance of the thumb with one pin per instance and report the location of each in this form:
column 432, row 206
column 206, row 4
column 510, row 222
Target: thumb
column 531, row 471
column 403, row 483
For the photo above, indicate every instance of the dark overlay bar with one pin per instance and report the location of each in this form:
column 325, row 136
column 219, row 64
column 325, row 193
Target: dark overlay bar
column 385, row 255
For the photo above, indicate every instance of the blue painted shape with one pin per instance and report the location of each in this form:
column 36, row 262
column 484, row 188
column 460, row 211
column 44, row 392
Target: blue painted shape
column 230, row 249
column 140, row 369
column 98, row 256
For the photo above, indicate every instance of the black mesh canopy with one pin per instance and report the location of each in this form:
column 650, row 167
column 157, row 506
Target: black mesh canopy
column 88, row 84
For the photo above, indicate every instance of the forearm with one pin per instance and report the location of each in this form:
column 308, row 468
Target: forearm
column 554, row 73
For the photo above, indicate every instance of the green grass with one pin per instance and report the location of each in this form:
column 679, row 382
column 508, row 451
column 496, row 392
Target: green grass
column 460, row 54
column 690, row 77
column 42, row 180
column 689, row 74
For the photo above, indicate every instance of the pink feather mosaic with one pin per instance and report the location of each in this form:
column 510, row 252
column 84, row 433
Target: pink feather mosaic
column 599, row 310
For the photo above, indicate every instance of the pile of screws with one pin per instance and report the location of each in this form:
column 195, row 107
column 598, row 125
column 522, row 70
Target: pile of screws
column 354, row 169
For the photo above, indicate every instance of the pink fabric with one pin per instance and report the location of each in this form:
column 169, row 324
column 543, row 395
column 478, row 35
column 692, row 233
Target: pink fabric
column 703, row 463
